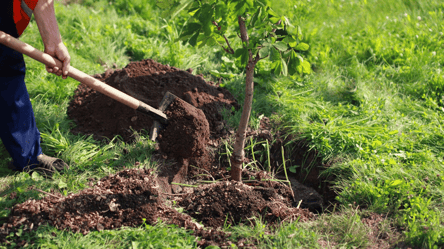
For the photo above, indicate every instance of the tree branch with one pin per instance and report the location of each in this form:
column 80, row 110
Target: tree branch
column 258, row 58
column 228, row 49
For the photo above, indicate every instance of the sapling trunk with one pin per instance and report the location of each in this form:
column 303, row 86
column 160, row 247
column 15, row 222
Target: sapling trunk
column 238, row 154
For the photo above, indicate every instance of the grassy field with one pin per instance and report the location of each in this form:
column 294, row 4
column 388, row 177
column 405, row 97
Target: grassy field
column 374, row 107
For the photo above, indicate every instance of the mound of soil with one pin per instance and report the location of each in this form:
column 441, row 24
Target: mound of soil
column 98, row 115
column 123, row 199
column 233, row 202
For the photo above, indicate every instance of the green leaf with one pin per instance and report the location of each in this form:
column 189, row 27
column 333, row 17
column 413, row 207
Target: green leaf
column 264, row 2
column 135, row 244
column 293, row 168
column 62, row 184
column 163, row 4
column 273, row 16
column 256, row 16
column 299, row 68
column 183, row 5
column 281, row 46
column 203, row 41
column 250, row 2
column 207, row 27
column 294, row 63
column 264, row 52
column 221, row 75
column 290, row 40
column 211, row 41
column 239, row 52
column 287, row 53
column 173, row 7
column 193, row 39
column 277, row 67
column 192, row 10
column 244, row 57
column 284, row 67
column 286, row 22
column 36, row 177
column 274, row 19
column 396, row 183
column 300, row 36
column 274, row 55
column 220, row 11
column 191, row 28
column 296, row 56
column 241, row 7
column 206, row 15
column 306, row 67
column 197, row 12
column 302, row 46
column 272, row 13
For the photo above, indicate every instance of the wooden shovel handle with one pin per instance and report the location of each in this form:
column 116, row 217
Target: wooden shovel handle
column 80, row 76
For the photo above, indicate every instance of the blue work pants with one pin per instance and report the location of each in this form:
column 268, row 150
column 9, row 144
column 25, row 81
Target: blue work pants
column 18, row 130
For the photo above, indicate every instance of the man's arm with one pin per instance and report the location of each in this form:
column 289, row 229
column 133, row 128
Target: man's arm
column 44, row 15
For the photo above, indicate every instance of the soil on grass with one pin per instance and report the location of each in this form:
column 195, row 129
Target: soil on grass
column 231, row 203
column 133, row 196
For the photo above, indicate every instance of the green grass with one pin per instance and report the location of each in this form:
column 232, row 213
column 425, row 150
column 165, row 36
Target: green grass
column 374, row 106
column 49, row 237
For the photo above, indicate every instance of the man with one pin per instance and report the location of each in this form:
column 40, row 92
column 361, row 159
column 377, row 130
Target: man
column 18, row 130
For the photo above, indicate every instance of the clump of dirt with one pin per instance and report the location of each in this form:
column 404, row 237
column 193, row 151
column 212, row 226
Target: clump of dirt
column 187, row 132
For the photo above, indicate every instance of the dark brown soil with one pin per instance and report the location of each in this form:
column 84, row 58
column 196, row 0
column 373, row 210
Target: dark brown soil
column 123, row 199
column 187, row 132
column 98, row 115
column 132, row 196
column 228, row 203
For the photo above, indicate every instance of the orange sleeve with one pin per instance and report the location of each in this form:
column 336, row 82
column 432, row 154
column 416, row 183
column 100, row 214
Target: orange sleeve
column 21, row 17
column 31, row 3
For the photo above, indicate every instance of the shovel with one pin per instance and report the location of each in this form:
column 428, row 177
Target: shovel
column 95, row 84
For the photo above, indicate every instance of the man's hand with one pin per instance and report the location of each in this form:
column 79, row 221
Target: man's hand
column 52, row 40
column 60, row 52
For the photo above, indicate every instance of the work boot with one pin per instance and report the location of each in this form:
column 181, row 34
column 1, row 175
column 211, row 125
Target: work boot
column 46, row 167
